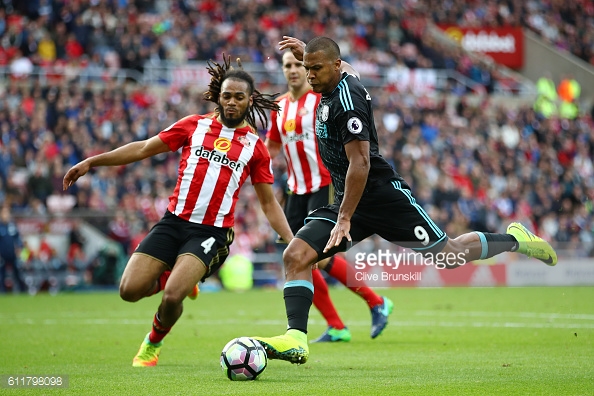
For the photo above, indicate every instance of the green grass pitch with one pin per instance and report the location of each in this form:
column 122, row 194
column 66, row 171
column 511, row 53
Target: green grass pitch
column 458, row 341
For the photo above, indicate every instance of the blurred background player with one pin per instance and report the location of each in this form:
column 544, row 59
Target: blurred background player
column 308, row 187
column 218, row 153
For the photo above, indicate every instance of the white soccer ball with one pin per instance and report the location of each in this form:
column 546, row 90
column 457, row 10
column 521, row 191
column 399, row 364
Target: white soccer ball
column 243, row 359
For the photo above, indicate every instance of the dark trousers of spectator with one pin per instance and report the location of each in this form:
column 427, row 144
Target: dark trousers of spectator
column 16, row 276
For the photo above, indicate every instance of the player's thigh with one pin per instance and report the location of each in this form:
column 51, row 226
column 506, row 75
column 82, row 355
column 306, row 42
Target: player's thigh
column 140, row 273
column 393, row 213
column 209, row 246
column 320, row 223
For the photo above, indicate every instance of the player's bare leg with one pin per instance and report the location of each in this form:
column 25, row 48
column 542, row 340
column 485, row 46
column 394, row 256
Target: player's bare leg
column 145, row 276
column 478, row 245
column 186, row 273
column 141, row 277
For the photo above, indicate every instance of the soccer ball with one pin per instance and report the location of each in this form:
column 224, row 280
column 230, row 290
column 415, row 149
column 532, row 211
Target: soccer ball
column 243, row 359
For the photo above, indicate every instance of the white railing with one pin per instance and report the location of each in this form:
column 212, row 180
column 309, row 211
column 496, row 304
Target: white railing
column 57, row 75
column 194, row 73
column 165, row 73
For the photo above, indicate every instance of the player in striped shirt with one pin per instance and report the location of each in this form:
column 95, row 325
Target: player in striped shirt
column 218, row 153
column 293, row 130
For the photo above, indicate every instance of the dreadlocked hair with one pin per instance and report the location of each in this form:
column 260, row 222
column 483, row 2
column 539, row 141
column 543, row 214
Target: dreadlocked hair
column 260, row 102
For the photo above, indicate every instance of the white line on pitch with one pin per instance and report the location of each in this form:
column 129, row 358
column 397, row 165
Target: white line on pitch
column 487, row 314
column 393, row 323
column 405, row 314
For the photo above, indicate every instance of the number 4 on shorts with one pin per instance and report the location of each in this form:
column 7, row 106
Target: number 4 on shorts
column 207, row 244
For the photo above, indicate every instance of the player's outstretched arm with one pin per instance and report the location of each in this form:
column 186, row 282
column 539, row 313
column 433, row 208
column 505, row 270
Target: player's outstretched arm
column 296, row 46
column 273, row 211
column 127, row 154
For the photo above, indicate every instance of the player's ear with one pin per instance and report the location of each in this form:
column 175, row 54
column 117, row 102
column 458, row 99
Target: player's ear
column 337, row 64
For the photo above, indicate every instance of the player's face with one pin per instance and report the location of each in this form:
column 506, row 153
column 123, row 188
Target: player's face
column 293, row 70
column 234, row 102
column 323, row 73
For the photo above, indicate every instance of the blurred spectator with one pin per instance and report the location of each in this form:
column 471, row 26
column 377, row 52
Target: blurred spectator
column 39, row 184
column 20, row 66
column 10, row 245
column 46, row 49
column 48, row 257
column 119, row 230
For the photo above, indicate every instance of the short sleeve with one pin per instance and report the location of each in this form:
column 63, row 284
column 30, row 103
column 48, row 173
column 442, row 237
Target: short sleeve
column 353, row 115
column 177, row 134
column 273, row 133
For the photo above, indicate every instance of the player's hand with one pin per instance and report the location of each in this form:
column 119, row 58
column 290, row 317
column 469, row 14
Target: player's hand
column 74, row 173
column 340, row 230
column 296, row 46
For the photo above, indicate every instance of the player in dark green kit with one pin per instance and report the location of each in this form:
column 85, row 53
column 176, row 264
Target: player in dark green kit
column 370, row 198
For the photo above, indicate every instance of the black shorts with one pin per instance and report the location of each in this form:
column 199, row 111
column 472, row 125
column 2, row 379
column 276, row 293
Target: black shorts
column 172, row 237
column 389, row 211
column 297, row 207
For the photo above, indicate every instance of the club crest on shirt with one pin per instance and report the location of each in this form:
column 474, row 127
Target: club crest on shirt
column 290, row 125
column 302, row 111
column 354, row 125
column 243, row 140
column 325, row 113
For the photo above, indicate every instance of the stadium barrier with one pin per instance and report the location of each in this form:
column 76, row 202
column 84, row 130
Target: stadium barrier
column 160, row 74
column 372, row 76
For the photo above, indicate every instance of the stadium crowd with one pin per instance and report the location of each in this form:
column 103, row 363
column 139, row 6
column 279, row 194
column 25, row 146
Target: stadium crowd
column 471, row 167
column 127, row 34
column 55, row 35
column 467, row 166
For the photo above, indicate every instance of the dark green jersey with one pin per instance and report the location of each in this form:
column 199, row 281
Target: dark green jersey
column 342, row 116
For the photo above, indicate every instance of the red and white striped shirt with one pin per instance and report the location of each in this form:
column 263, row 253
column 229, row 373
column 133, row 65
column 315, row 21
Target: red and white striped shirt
column 294, row 126
column 215, row 162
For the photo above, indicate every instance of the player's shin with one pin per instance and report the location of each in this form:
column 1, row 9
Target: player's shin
column 494, row 244
column 158, row 331
column 298, row 296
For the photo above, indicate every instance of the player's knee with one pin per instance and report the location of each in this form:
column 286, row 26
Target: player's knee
column 294, row 259
column 172, row 298
column 453, row 254
column 128, row 293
